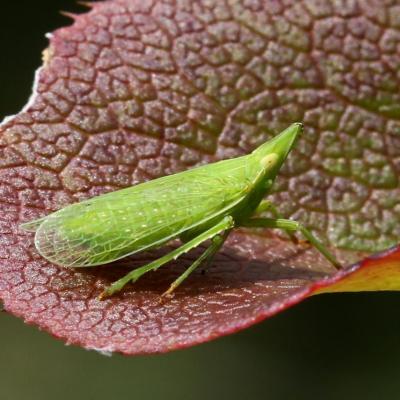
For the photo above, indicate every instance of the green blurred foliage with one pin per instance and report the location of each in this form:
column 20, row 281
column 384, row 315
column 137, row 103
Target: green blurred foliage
column 330, row 347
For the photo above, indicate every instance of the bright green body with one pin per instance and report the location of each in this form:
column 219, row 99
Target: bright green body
column 111, row 226
column 130, row 220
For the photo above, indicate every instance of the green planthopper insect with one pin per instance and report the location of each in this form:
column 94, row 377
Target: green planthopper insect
column 204, row 203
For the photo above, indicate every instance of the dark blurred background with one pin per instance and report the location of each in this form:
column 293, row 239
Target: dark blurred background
column 344, row 346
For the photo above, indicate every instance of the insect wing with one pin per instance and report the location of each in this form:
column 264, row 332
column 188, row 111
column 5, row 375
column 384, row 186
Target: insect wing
column 32, row 226
column 112, row 226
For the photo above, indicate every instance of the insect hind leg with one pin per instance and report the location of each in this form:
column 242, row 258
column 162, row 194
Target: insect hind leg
column 226, row 223
column 217, row 242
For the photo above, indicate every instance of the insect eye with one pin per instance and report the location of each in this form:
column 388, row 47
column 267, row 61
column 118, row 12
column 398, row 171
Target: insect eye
column 269, row 160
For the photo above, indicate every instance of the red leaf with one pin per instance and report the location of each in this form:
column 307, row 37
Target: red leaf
column 137, row 89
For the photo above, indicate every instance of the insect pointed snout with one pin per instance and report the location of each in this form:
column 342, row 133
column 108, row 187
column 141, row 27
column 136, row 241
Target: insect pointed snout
column 280, row 145
column 284, row 142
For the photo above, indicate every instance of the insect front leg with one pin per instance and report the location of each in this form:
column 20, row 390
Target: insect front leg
column 225, row 224
column 267, row 205
column 293, row 226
